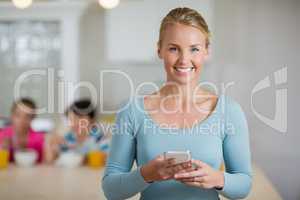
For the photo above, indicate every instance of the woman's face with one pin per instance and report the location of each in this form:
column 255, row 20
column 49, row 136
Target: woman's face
column 183, row 52
column 21, row 118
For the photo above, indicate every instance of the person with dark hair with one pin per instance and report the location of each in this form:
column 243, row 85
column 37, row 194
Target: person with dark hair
column 83, row 136
column 19, row 135
column 83, row 107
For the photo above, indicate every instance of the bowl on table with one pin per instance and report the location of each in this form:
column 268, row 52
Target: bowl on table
column 70, row 159
column 25, row 158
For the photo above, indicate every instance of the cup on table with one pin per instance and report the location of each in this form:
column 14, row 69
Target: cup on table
column 4, row 158
column 26, row 157
column 96, row 159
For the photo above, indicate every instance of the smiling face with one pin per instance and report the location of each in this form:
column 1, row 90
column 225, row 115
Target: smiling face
column 21, row 118
column 183, row 50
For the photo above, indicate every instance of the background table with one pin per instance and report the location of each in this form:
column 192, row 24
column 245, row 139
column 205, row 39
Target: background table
column 48, row 183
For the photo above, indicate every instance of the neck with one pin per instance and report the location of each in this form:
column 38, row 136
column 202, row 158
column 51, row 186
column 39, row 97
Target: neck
column 184, row 93
column 21, row 132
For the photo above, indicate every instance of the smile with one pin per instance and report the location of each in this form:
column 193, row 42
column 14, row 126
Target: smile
column 184, row 69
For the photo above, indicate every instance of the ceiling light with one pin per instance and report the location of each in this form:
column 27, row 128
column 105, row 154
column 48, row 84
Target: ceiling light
column 22, row 3
column 109, row 4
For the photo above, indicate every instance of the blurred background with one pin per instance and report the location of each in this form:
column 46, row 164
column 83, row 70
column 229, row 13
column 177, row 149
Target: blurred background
column 58, row 50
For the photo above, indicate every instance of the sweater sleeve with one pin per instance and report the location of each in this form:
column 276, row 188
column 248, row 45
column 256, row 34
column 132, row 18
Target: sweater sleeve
column 236, row 153
column 119, row 182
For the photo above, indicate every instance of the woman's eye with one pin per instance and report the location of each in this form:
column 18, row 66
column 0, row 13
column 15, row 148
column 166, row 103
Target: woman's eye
column 172, row 49
column 194, row 49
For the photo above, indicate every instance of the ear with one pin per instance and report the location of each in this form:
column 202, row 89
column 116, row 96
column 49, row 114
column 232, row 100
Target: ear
column 159, row 50
column 207, row 54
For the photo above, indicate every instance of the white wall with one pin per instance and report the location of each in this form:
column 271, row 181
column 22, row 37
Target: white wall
column 253, row 40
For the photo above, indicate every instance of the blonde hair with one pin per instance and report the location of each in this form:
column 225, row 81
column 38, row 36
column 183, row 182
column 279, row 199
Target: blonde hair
column 185, row 16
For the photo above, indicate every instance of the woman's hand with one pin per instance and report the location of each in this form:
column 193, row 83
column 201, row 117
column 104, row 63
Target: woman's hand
column 202, row 176
column 160, row 169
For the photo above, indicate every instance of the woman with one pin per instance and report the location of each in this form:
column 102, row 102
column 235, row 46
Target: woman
column 180, row 116
column 20, row 135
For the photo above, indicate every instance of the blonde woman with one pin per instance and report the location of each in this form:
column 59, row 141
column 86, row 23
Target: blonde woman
column 181, row 116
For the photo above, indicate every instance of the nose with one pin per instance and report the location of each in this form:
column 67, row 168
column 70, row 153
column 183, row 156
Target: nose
column 184, row 58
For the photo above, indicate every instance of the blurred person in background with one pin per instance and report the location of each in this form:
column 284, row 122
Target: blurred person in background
column 19, row 136
column 83, row 136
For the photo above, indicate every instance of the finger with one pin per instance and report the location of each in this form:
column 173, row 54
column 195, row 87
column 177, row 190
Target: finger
column 186, row 180
column 198, row 163
column 198, row 172
column 189, row 169
column 180, row 168
column 170, row 170
column 195, row 184
column 177, row 168
column 169, row 162
column 174, row 169
column 160, row 157
column 189, row 174
column 199, row 179
column 166, row 176
column 186, row 164
column 185, row 170
column 158, row 161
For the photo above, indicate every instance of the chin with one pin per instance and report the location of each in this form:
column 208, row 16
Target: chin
column 184, row 80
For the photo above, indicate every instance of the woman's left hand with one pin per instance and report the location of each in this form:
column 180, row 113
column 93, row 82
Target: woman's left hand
column 202, row 176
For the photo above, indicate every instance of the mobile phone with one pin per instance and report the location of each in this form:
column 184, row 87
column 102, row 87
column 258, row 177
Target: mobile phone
column 180, row 156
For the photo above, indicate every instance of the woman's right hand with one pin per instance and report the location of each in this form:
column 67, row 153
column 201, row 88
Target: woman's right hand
column 160, row 169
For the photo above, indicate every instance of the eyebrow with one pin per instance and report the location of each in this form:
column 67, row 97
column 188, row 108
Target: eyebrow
column 193, row 45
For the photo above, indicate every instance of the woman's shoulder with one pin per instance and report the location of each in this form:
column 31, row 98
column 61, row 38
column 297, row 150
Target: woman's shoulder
column 228, row 103
column 132, row 108
column 232, row 110
column 132, row 105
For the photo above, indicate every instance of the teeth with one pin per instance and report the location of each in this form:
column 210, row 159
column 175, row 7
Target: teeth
column 184, row 70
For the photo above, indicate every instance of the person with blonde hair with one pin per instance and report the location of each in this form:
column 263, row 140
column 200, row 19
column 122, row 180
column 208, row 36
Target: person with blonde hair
column 180, row 116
